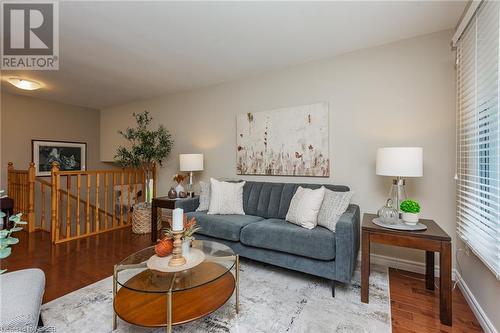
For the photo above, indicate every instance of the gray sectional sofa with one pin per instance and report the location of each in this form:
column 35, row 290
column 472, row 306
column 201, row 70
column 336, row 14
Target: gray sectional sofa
column 264, row 235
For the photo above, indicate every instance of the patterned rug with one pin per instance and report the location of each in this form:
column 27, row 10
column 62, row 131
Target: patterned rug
column 271, row 300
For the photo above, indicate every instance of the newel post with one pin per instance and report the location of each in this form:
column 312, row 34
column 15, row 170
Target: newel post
column 31, row 198
column 54, row 227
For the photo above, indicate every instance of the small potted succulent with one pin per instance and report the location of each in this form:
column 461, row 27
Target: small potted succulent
column 411, row 211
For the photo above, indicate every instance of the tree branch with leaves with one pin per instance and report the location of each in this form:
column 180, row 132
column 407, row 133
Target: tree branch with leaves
column 147, row 147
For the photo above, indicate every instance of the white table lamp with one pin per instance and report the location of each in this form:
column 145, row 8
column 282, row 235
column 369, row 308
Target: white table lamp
column 399, row 162
column 190, row 163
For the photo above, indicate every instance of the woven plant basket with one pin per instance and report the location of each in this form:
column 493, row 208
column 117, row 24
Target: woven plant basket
column 141, row 220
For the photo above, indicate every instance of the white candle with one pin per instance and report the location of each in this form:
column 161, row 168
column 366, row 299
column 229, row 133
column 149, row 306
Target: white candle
column 177, row 219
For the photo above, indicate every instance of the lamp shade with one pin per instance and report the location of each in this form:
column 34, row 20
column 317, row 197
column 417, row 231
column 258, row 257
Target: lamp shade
column 191, row 162
column 400, row 161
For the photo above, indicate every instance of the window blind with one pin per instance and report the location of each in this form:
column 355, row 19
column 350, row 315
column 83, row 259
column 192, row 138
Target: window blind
column 478, row 135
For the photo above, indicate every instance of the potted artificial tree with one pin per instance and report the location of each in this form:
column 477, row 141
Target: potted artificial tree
column 147, row 147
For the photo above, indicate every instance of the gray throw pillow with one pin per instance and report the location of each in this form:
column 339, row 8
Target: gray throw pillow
column 333, row 206
column 204, row 197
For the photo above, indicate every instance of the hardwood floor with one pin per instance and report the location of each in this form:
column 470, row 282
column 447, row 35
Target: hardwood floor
column 416, row 309
column 73, row 265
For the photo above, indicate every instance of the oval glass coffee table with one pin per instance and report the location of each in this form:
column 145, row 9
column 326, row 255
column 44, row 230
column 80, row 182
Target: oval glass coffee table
column 151, row 298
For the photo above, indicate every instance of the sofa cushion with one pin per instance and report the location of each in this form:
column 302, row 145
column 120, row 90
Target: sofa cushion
column 271, row 200
column 226, row 227
column 279, row 235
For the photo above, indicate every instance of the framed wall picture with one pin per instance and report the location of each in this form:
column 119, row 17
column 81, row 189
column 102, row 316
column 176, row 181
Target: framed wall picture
column 71, row 156
column 291, row 141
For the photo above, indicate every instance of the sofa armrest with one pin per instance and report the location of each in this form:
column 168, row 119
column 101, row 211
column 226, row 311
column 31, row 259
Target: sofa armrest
column 347, row 243
column 188, row 204
column 22, row 293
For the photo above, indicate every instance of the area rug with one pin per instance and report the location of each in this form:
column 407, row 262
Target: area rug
column 271, row 300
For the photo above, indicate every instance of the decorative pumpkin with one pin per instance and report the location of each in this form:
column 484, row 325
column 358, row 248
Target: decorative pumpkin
column 164, row 247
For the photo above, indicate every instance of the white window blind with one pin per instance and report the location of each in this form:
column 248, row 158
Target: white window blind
column 478, row 134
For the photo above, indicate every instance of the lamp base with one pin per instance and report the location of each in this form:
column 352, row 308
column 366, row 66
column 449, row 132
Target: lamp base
column 190, row 187
column 398, row 192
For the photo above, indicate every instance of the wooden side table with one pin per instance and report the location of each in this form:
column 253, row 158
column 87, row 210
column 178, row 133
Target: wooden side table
column 167, row 203
column 434, row 239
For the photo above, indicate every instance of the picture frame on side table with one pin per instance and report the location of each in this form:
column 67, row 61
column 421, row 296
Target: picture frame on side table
column 71, row 156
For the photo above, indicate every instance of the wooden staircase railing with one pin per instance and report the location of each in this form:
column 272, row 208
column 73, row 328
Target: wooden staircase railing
column 20, row 187
column 45, row 187
column 81, row 203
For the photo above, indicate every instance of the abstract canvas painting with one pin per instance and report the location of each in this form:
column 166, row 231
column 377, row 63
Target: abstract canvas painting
column 291, row 141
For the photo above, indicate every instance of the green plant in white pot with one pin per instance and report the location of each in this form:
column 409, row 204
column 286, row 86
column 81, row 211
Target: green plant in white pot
column 411, row 211
column 6, row 240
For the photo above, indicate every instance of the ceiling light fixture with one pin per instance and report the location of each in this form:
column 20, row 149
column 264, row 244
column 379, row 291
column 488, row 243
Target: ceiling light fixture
column 24, row 83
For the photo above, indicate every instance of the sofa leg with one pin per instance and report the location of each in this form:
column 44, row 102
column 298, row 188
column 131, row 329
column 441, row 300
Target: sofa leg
column 333, row 288
column 40, row 321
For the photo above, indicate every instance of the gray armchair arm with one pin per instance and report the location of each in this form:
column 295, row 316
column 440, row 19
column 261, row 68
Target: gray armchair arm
column 188, row 204
column 347, row 243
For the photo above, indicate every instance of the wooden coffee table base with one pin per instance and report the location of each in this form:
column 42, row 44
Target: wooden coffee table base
column 150, row 310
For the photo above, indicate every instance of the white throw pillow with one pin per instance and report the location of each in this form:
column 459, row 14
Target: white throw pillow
column 204, row 197
column 226, row 198
column 305, row 206
column 334, row 205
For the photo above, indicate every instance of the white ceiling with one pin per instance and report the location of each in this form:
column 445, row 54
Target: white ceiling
column 117, row 52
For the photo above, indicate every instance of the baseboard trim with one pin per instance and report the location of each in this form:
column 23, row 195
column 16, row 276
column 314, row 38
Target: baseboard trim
column 404, row 264
column 419, row 267
column 476, row 308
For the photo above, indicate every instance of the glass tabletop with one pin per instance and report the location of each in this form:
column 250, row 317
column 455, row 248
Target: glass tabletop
column 133, row 273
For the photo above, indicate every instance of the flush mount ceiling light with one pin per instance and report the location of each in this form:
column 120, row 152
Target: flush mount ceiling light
column 24, row 83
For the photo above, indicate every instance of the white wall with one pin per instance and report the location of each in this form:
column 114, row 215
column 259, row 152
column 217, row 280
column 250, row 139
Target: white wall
column 400, row 94
column 483, row 285
column 26, row 118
